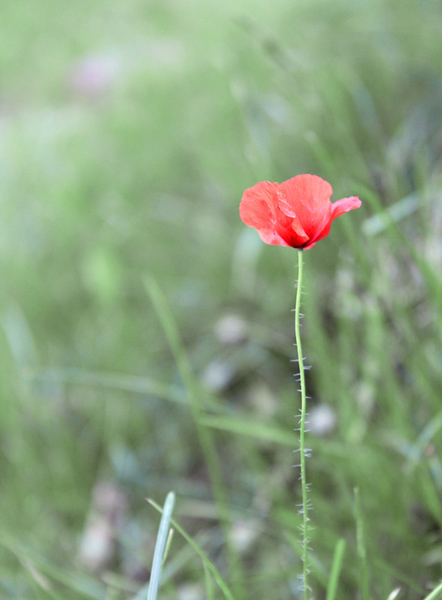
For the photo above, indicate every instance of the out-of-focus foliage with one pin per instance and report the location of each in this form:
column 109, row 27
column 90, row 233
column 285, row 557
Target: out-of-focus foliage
column 128, row 132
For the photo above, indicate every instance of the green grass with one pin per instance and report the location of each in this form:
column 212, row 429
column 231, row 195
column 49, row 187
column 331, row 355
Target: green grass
column 102, row 384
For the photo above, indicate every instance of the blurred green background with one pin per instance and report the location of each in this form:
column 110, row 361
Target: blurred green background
column 128, row 133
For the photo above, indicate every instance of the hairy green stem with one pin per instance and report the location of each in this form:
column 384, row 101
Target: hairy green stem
column 302, row 449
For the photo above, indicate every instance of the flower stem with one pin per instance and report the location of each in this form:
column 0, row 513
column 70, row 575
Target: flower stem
column 302, row 449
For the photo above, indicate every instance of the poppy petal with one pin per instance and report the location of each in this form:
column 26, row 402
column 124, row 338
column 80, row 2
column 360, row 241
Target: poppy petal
column 258, row 209
column 320, row 236
column 258, row 204
column 338, row 208
column 342, row 206
column 307, row 197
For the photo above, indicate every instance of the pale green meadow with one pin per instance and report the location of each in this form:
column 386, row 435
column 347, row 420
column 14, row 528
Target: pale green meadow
column 146, row 334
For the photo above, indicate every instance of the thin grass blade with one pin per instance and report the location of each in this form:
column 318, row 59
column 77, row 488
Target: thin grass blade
column 335, row 570
column 364, row 579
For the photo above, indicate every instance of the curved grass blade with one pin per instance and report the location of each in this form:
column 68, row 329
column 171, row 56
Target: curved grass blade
column 36, row 565
column 210, row 566
column 160, row 546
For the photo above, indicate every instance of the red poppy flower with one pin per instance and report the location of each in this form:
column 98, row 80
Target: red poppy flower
column 296, row 213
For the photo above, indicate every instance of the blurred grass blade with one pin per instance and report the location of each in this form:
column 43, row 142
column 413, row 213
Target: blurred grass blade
column 208, row 563
column 160, row 546
column 335, row 570
column 431, row 494
column 204, row 434
column 173, row 337
column 397, row 575
column 83, row 586
column 208, row 583
column 436, row 594
column 397, row 236
column 242, row 425
column 392, row 214
column 41, row 580
column 364, row 585
column 116, row 381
